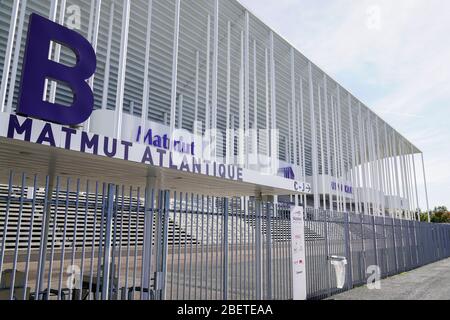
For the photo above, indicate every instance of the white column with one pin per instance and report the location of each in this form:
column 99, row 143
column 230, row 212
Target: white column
column 16, row 57
column 215, row 73
column 302, row 124
column 197, row 71
column 426, row 189
column 241, row 153
column 255, row 101
column 294, row 107
column 146, row 87
column 268, row 123
column 353, row 166
column 108, row 58
column 118, row 114
column 327, row 132
column 273, row 105
column 8, row 53
column 208, row 63
column 180, row 111
column 94, row 36
column 315, row 170
column 322, row 150
column 246, row 85
column 229, row 150
column 57, row 56
column 415, row 181
column 175, row 68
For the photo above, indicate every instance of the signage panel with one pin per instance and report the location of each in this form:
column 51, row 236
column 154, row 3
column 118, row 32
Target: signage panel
column 298, row 253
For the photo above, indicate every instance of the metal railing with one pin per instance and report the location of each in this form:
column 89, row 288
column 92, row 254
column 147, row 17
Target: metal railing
column 67, row 238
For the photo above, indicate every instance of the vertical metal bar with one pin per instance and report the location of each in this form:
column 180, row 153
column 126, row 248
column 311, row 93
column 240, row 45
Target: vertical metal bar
column 30, row 238
column 191, row 240
column 375, row 247
column 55, row 222
column 114, row 287
column 240, row 264
column 100, row 243
column 138, row 203
column 42, row 244
column 6, row 223
column 173, row 242
column 165, row 241
column 179, row 244
column 109, row 210
column 185, row 275
column 225, row 250
column 75, row 230
column 197, row 241
column 63, row 248
column 207, row 246
column 83, row 250
column 127, row 261
column 202, row 248
column 217, row 250
column 16, row 249
column 268, row 250
column 212, row 245
column 328, row 276
column 150, row 250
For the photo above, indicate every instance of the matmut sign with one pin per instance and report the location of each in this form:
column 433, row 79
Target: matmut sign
column 45, row 123
column 57, row 136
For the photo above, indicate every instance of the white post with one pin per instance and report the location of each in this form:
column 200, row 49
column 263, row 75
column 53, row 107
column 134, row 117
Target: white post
column 108, row 59
column 94, row 43
column 229, row 149
column 214, row 73
column 208, row 62
column 16, row 57
column 246, row 85
column 146, row 87
column 173, row 99
column 180, row 112
column 118, row 113
column 8, row 53
column 327, row 132
column 255, row 101
column 426, row 189
column 197, row 71
column 315, row 170
column 273, row 104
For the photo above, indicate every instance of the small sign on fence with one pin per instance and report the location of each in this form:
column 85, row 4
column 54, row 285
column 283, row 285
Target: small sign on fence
column 298, row 253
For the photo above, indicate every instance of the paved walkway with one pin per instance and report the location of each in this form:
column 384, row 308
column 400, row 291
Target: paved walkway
column 431, row 282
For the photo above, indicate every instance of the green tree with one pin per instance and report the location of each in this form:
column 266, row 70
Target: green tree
column 440, row 215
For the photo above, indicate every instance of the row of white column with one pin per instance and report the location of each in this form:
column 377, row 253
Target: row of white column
column 377, row 167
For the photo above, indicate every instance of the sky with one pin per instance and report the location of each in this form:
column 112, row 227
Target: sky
column 393, row 55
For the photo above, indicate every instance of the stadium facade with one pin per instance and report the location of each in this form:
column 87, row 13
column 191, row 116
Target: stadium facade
column 197, row 65
column 180, row 149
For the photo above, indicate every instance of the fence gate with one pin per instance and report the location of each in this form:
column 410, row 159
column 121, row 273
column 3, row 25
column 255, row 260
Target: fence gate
column 73, row 239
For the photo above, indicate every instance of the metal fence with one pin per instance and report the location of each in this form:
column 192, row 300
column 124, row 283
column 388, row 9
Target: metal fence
column 66, row 238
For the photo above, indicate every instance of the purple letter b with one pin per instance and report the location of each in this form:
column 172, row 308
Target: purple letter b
column 38, row 67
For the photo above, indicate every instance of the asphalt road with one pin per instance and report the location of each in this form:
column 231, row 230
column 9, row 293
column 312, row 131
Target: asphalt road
column 431, row 282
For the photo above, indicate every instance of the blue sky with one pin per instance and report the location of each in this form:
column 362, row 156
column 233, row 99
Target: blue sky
column 394, row 55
